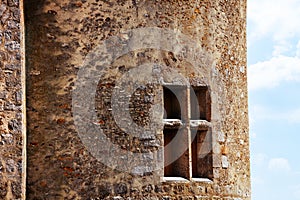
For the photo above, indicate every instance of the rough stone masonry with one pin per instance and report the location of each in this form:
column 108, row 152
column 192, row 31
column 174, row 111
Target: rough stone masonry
column 12, row 104
column 110, row 85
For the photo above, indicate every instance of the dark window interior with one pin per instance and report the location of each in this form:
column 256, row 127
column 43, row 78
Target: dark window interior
column 176, row 165
column 199, row 103
column 171, row 103
column 202, row 155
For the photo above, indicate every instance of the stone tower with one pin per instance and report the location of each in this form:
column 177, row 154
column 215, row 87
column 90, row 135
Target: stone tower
column 124, row 100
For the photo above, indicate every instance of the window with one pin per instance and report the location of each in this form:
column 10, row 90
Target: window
column 200, row 103
column 171, row 104
column 187, row 132
column 177, row 164
column 202, row 155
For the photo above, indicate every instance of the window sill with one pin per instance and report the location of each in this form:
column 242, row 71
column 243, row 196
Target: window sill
column 174, row 179
column 172, row 123
column 194, row 124
column 200, row 124
column 203, row 180
column 184, row 180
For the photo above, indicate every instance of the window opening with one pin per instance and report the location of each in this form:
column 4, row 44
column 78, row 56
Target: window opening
column 200, row 103
column 171, row 103
column 202, row 155
column 176, row 165
column 178, row 129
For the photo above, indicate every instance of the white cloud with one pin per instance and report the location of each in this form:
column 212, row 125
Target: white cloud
column 279, row 164
column 261, row 113
column 271, row 73
column 258, row 159
column 276, row 17
column 278, row 20
column 282, row 47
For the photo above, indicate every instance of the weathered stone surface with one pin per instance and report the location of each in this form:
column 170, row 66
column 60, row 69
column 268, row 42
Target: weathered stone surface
column 120, row 188
column 11, row 140
column 60, row 34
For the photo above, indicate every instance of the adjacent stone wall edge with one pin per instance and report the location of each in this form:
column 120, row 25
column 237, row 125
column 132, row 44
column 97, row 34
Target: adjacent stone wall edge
column 23, row 80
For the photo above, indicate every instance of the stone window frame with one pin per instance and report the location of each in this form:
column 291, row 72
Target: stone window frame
column 191, row 130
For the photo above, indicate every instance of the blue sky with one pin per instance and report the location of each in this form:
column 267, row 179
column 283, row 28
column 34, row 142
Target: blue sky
column 274, row 98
